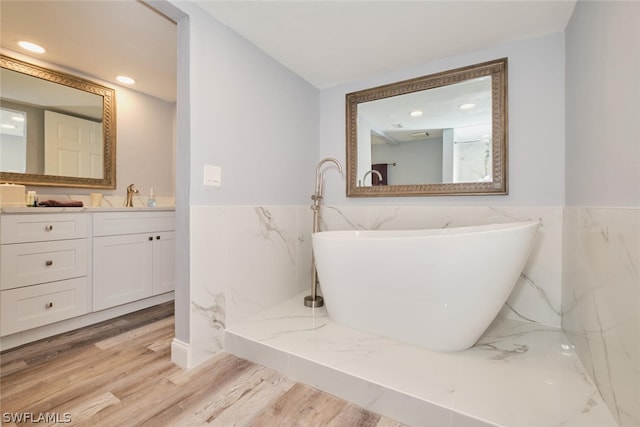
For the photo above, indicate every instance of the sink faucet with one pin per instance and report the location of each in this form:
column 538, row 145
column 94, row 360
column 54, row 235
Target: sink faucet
column 366, row 174
column 131, row 190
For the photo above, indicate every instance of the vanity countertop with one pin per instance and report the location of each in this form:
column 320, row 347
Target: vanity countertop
column 25, row 210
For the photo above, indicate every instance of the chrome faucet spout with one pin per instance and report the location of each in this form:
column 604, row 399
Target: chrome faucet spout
column 131, row 190
column 369, row 172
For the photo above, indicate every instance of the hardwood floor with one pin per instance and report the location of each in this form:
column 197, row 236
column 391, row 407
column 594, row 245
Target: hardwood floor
column 119, row 373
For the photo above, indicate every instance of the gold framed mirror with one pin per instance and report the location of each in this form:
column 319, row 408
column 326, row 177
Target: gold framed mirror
column 440, row 134
column 57, row 129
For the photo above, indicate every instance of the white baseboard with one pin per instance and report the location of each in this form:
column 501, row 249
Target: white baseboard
column 180, row 353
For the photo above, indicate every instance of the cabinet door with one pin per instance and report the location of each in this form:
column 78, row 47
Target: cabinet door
column 122, row 269
column 164, row 262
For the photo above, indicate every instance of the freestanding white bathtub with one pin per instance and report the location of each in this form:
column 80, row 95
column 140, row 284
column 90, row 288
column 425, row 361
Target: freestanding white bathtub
column 438, row 288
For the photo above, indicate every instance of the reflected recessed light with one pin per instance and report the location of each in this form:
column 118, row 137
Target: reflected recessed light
column 466, row 106
column 416, row 113
column 126, row 80
column 17, row 118
column 7, row 126
column 31, row 47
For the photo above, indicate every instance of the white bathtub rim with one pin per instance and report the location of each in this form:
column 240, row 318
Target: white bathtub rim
column 422, row 232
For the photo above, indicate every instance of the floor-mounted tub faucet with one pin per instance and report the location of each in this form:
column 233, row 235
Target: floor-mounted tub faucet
column 315, row 300
column 131, row 190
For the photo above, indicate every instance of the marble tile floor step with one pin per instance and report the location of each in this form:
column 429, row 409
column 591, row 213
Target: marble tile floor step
column 519, row 374
column 119, row 373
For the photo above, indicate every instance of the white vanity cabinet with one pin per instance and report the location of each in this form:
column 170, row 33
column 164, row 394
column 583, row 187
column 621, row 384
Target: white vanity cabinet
column 133, row 256
column 43, row 269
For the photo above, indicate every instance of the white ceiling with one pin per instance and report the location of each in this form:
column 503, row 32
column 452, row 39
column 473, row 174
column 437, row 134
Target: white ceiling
column 334, row 42
column 325, row 42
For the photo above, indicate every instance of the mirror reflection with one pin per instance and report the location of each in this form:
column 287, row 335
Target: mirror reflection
column 439, row 134
column 55, row 129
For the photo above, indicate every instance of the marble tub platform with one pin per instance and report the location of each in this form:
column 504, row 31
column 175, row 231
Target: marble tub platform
column 518, row 375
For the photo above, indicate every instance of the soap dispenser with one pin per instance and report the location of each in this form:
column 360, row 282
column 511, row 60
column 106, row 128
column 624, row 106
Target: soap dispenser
column 152, row 199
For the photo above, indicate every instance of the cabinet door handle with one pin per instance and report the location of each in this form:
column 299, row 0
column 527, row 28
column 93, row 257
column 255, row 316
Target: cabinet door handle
column 150, row 238
column 49, row 305
column 49, row 263
column 157, row 237
column 48, row 227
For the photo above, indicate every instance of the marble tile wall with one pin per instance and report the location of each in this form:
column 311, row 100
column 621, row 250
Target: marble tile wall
column 245, row 259
column 601, row 301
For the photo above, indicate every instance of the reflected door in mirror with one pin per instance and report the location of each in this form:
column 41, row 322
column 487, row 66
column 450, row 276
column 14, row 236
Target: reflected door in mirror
column 72, row 146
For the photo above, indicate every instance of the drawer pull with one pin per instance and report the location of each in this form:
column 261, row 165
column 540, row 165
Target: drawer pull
column 157, row 237
column 150, row 238
column 49, row 305
column 49, row 263
column 48, row 227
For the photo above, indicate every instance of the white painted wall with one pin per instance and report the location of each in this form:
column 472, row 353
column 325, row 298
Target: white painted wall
column 417, row 162
column 145, row 153
column 251, row 116
column 603, row 105
column 536, row 124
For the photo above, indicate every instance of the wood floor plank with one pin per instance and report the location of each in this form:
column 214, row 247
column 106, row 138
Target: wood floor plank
column 353, row 415
column 85, row 408
column 220, row 384
column 288, row 408
column 240, row 408
column 13, row 366
column 148, row 333
column 24, row 385
column 322, row 410
column 51, row 392
column 154, row 405
column 93, row 369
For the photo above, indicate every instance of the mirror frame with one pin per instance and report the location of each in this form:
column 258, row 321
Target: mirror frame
column 108, row 180
column 497, row 69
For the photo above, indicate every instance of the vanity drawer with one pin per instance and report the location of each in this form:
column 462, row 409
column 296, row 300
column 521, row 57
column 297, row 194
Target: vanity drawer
column 38, row 227
column 39, row 305
column 115, row 223
column 25, row 264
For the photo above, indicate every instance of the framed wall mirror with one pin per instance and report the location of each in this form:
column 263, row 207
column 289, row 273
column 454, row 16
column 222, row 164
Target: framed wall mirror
column 57, row 129
column 441, row 134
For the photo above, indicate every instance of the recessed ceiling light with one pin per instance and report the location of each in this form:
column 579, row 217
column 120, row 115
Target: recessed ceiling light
column 7, row 126
column 466, row 106
column 126, row 80
column 415, row 113
column 17, row 118
column 31, row 47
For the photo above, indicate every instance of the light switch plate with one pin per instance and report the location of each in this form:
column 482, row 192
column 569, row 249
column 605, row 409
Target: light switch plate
column 212, row 176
